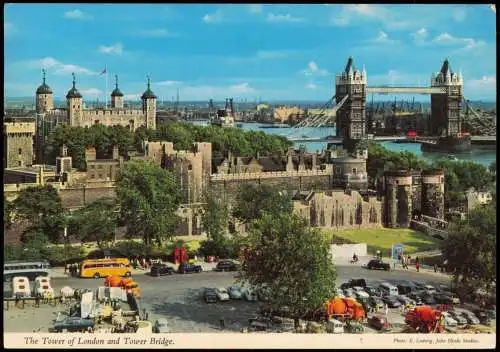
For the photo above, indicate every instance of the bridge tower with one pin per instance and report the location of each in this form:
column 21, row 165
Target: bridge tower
column 351, row 125
column 445, row 108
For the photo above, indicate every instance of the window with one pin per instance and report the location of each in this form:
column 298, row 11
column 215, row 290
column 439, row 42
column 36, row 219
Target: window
column 20, row 151
column 100, row 265
column 73, row 106
column 354, row 170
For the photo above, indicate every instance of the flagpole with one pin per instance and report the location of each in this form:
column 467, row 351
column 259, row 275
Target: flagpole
column 106, row 69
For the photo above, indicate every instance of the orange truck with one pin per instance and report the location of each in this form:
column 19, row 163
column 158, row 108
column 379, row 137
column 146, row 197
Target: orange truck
column 128, row 284
column 344, row 309
column 425, row 319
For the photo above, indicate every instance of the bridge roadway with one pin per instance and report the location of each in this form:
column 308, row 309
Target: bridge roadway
column 332, row 139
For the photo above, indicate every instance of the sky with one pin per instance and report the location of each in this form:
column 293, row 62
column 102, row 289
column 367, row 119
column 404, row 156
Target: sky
column 252, row 52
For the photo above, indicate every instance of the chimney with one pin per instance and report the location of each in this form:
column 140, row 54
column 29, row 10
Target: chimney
column 231, row 106
column 116, row 153
column 226, row 104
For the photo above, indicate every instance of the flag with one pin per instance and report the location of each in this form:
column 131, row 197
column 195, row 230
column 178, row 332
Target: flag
column 103, row 71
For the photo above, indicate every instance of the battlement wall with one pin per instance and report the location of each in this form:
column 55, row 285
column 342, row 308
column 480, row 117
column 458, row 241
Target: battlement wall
column 268, row 175
column 19, row 127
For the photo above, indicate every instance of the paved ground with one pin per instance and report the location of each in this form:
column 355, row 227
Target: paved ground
column 178, row 298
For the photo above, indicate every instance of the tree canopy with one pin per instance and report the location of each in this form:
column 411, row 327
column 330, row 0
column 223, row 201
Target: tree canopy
column 183, row 135
column 95, row 222
column 42, row 207
column 148, row 199
column 254, row 200
column 470, row 248
column 293, row 260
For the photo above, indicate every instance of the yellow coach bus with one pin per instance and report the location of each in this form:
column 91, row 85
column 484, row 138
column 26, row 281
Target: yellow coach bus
column 98, row 268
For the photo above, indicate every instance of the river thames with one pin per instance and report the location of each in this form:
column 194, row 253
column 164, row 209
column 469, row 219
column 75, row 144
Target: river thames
column 481, row 155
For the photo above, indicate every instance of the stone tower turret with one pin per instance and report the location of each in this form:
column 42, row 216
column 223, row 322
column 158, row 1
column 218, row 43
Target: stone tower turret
column 433, row 193
column 116, row 96
column 75, row 105
column 445, row 108
column 351, row 124
column 398, row 198
column 44, row 97
column 149, row 106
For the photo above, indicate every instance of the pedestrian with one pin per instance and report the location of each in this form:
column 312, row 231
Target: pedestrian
column 222, row 323
column 417, row 264
column 386, row 309
column 435, row 268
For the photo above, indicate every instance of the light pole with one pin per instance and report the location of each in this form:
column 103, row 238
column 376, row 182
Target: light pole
column 65, row 234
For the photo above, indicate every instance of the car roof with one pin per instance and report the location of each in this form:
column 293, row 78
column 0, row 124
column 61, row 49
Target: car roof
column 161, row 321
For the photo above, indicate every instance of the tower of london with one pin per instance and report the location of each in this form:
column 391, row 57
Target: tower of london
column 75, row 113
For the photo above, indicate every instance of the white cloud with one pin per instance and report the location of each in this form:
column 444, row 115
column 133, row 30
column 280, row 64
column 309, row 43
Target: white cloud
column 213, row 18
column 280, row 18
column 59, row 68
column 313, row 70
column 383, row 38
column 158, row 32
column 135, row 96
column 92, row 91
column 76, row 14
column 485, row 83
column 349, row 14
column 459, row 14
column 466, row 43
column 311, row 86
column 205, row 92
column 420, row 36
column 168, row 83
column 112, row 49
column 255, row 8
column 242, row 88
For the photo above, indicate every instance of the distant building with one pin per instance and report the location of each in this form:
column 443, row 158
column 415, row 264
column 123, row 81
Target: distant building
column 475, row 198
column 284, row 114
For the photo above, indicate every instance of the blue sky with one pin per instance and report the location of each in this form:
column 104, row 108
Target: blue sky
column 276, row 52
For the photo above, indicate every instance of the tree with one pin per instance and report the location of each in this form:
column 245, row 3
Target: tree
column 7, row 213
column 148, row 199
column 215, row 217
column 293, row 260
column 95, row 222
column 254, row 200
column 42, row 206
column 470, row 248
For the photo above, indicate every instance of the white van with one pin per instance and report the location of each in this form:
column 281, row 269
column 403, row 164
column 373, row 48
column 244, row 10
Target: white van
column 42, row 287
column 335, row 327
column 21, row 286
column 388, row 289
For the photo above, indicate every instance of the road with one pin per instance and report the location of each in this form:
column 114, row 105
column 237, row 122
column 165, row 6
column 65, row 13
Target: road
column 178, row 298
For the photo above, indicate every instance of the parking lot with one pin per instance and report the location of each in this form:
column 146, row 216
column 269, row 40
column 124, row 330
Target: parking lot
column 178, row 298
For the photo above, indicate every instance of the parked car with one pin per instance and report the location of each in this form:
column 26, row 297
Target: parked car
column 250, row 295
column 161, row 326
column 339, row 293
column 160, row 270
column 404, row 289
column 391, row 301
column 226, row 265
column 373, row 291
column 430, row 289
column 73, row 324
column 379, row 322
column 448, row 319
column 419, row 286
column 405, row 300
column 361, row 295
column 349, row 293
column 443, row 298
column 378, row 264
column 471, row 317
column 417, row 297
column 427, row 298
column 210, row 295
column 235, row 292
column 461, row 320
column 357, row 282
column 189, row 268
column 483, row 316
column 222, row 294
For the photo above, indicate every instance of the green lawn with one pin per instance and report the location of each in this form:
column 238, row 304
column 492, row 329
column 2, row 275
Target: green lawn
column 382, row 239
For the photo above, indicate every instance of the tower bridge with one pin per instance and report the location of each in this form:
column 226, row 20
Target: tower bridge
column 446, row 123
